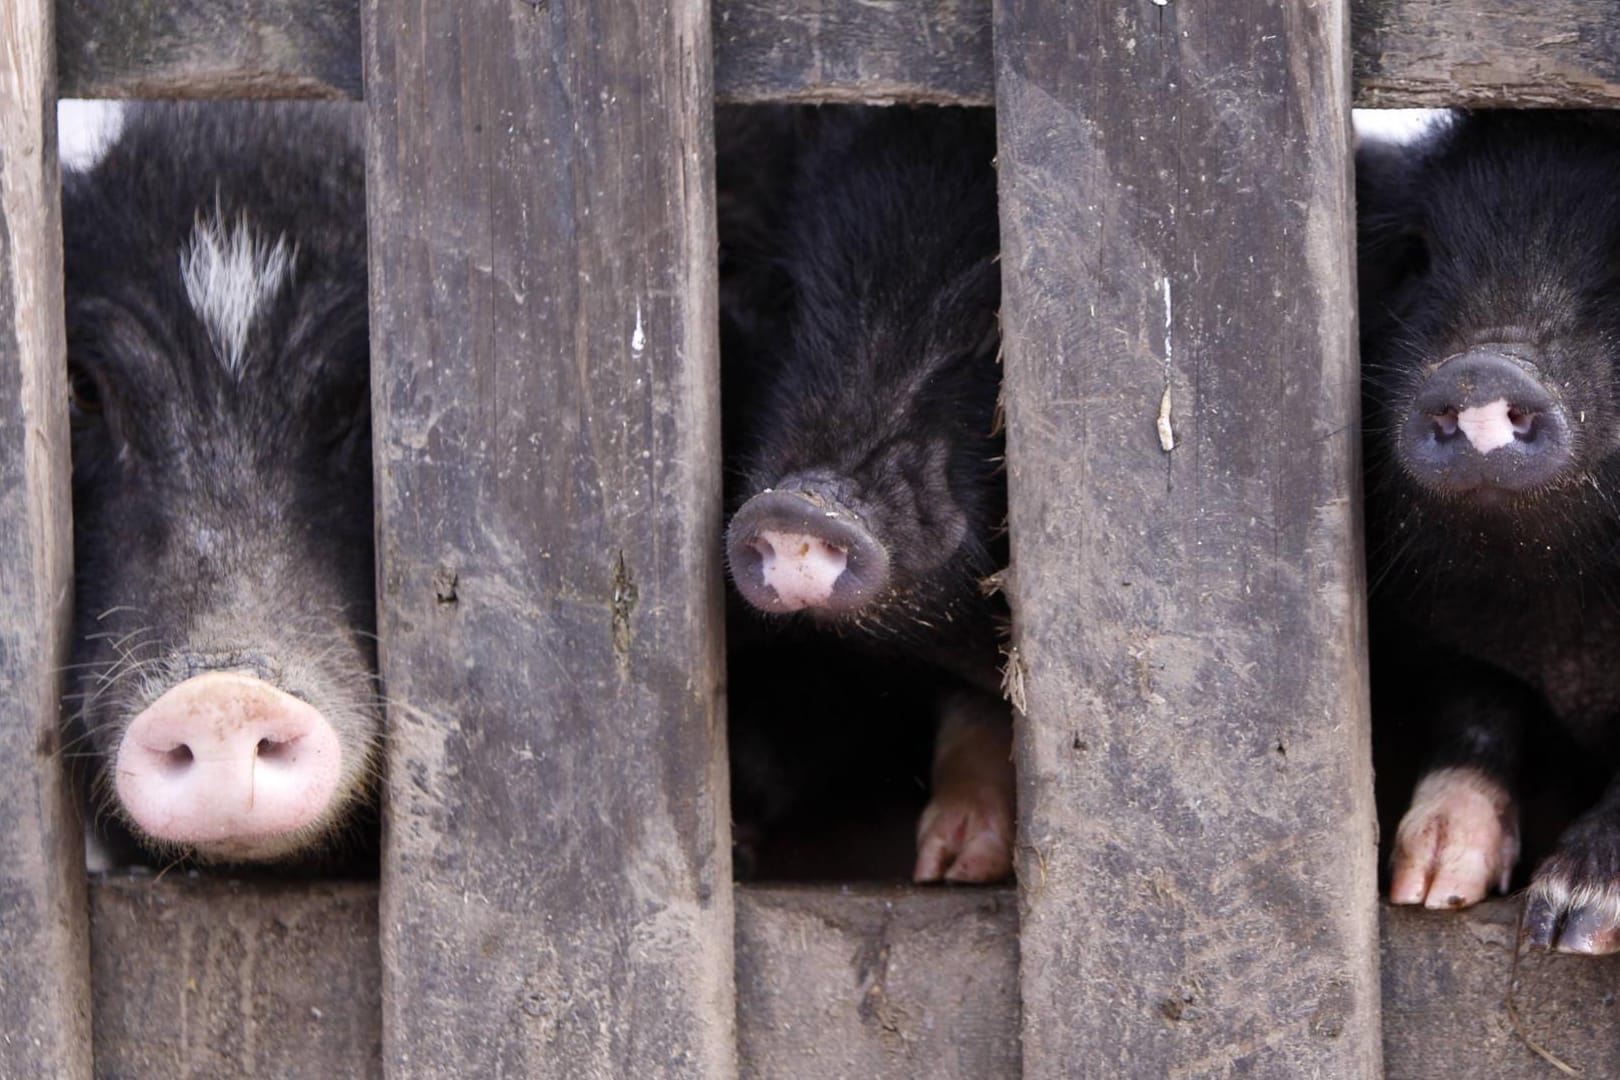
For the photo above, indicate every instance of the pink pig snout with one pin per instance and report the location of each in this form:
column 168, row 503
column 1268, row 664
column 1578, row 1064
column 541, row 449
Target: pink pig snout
column 229, row 765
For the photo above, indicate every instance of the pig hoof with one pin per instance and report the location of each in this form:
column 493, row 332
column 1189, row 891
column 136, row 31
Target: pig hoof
column 1459, row 838
column 965, row 835
column 1573, row 904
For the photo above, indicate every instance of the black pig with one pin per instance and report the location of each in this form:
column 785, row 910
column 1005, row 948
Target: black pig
column 223, row 658
column 1490, row 279
column 865, row 465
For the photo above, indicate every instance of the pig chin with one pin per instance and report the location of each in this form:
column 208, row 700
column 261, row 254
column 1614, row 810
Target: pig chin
column 255, row 850
column 1488, row 497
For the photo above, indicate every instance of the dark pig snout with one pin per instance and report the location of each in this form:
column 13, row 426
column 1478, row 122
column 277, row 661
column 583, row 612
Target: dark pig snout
column 802, row 549
column 1484, row 420
column 230, row 765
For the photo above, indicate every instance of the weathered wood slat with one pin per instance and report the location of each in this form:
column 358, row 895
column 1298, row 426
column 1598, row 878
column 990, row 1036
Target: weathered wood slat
column 1408, row 53
column 781, row 50
column 875, row 982
column 1196, row 865
column 44, row 959
column 1454, row 999
column 209, row 48
column 556, row 890
column 204, row 977
column 1421, row 53
column 238, row 981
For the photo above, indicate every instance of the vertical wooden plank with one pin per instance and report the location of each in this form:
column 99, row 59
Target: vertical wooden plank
column 557, row 875
column 1197, row 867
column 44, row 951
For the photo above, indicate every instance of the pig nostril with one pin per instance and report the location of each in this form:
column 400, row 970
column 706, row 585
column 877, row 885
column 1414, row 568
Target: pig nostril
column 1524, row 423
column 271, row 750
column 179, row 758
column 1445, row 424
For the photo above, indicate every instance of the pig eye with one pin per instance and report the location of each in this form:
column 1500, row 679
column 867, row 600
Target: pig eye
column 84, row 394
column 347, row 433
column 990, row 342
column 343, row 422
column 1411, row 261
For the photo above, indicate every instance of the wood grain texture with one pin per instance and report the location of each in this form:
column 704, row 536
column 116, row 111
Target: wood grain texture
column 1499, row 53
column 1196, row 855
column 1457, row 1003
column 205, row 977
column 556, row 874
column 853, row 50
column 872, row 981
column 1408, row 53
column 209, row 48
column 44, row 958
column 202, row 978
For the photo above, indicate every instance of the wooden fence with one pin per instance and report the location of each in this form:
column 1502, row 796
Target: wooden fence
column 1196, row 873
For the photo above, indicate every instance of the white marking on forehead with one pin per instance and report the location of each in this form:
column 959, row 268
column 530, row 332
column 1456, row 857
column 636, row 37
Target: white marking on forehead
column 230, row 274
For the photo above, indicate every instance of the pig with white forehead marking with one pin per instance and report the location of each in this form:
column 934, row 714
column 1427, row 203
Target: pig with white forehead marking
column 223, row 678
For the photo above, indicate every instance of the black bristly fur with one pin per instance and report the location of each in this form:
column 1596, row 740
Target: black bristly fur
column 1491, row 617
column 883, row 368
column 1502, row 226
column 220, row 519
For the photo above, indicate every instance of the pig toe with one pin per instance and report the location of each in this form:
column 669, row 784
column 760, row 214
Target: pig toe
column 965, row 836
column 1573, row 904
column 1581, row 921
column 986, row 857
column 1591, row 930
column 1459, row 839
